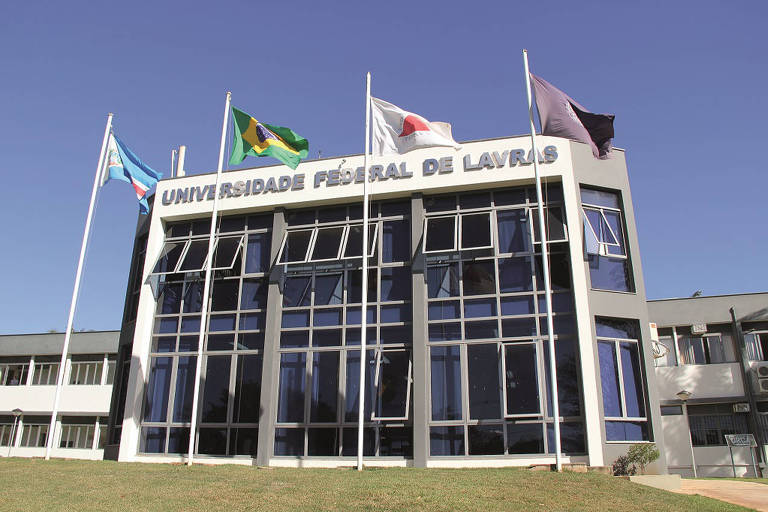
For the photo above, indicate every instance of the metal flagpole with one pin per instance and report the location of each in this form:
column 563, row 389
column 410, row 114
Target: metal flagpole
column 545, row 266
column 207, row 285
column 73, row 304
column 364, row 308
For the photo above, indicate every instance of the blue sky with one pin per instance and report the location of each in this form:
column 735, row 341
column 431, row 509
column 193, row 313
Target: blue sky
column 686, row 81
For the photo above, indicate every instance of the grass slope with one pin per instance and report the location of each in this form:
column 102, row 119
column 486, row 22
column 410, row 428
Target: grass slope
column 102, row 485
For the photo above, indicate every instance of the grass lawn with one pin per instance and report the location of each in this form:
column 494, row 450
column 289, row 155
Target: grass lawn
column 34, row 484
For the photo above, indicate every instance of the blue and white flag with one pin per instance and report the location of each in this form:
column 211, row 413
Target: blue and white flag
column 122, row 164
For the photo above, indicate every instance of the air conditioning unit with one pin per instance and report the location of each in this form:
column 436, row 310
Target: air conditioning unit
column 762, row 385
column 697, row 329
column 762, row 370
column 742, row 407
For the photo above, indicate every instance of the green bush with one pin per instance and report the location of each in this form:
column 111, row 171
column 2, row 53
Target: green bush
column 623, row 467
column 642, row 455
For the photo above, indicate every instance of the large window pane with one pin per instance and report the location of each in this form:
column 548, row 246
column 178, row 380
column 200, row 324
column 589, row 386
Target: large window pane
column 169, row 257
column 354, row 245
column 633, row 381
column 296, row 246
column 257, row 252
column 194, row 259
column 443, row 281
column 156, row 402
column 352, row 392
column 325, row 379
column 329, row 289
column 475, row 230
column 289, row 441
column 515, row 275
column 248, row 389
column 216, row 390
column 525, row 438
column 297, row 291
column 327, row 244
column 227, row 248
column 185, row 384
column 292, row 382
column 396, row 283
column 521, row 376
column 484, row 388
column 479, row 277
column 441, row 234
column 446, row 441
column 486, row 440
column 446, row 382
column 393, row 384
column 514, row 235
column 396, row 241
column 609, row 378
column 254, row 294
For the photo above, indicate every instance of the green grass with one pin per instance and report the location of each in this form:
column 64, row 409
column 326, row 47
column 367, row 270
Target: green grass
column 103, row 485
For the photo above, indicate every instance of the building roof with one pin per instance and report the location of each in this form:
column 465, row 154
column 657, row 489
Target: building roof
column 92, row 342
column 748, row 307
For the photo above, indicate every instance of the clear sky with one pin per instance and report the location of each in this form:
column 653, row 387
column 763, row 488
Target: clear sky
column 686, row 80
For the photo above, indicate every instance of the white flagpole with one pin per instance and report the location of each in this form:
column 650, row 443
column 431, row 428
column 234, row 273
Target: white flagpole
column 545, row 266
column 364, row 308
column 73, row 303
column 207, row 285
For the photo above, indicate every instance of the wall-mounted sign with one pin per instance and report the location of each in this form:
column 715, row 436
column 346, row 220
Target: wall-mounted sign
column 433, row 168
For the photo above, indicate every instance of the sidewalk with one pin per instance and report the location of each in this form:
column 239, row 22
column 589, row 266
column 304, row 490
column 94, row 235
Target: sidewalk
column 746, row 494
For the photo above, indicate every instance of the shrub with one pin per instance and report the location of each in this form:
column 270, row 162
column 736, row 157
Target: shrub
column 623, row 467
column 642, row 455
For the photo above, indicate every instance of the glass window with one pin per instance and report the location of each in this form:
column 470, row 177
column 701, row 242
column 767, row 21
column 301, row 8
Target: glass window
column 706, row 349
column 325, row 378
column 327, row 244
column 446, row 383
column 757, row 345
column 290, row 404
column 621, row 381
column 194, row 258
column 440, row 234
column 353, row 246
column 226, row 252
column 257, row 252
column 604, row 241
column 476, row 231
column 521, row 379
column 216, row 389
column 296, row 246
column 711, row 423
column 513, row 231
column 393, row 384
column 484, row 388
column 169, row 257
column 554, row 223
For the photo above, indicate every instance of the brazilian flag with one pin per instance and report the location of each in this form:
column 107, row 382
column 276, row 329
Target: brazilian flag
column 253, row 138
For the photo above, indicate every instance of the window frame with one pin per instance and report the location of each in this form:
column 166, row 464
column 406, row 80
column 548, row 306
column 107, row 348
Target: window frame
column 533, row 224
column 340, row 253
column 603, row 247
column 540, row 398
column 377, row 384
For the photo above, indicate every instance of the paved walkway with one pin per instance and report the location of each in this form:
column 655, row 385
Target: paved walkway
column 746, row 494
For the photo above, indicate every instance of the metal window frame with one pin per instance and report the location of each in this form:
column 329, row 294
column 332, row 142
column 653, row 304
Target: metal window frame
column 620, row 376
column 454, row 216
column 377, row 383
column 533, row 224
column 313, row 242
column 284, row 243
column 460, row 233
column 163, row 252
column 603, row 245
column 234, row 256
column 373, row 240
column 536, row 356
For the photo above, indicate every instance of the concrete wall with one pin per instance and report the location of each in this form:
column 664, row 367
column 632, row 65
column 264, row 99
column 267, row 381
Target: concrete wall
column 98, row 342
column 702, row 380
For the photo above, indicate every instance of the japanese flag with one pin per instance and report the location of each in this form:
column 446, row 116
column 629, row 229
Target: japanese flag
column 397, row 131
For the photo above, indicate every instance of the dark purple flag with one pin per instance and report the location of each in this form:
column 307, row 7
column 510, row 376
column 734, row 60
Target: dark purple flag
column 561, row 116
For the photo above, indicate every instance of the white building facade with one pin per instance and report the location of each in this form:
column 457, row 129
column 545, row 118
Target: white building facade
column 29, row 366
column 716, row 349
column 457, row 358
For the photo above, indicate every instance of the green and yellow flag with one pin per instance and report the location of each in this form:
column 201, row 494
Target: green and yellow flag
column 253, row 138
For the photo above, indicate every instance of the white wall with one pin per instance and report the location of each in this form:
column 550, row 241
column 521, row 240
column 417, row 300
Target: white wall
column 701, row 380
column 80, row 400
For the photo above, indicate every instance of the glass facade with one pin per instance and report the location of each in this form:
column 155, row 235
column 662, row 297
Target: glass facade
column 474, row 261
column 319, row 347
column 487, row 329
column 233, row 343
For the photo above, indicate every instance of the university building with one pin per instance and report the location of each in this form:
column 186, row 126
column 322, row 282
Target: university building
column 456, row 359
column 29, row 366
